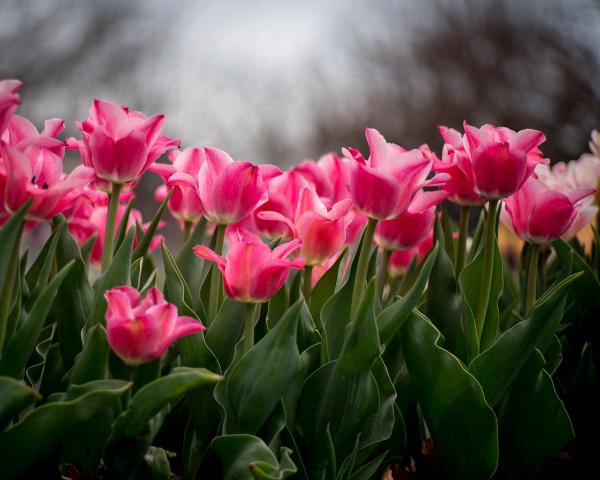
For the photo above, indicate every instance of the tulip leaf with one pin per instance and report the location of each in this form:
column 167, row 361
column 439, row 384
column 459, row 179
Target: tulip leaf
column 51, row 424
column 534, row 424
column 462, row 424
column 9, row 233
column 343, row 393
column 15, row 395
column 391, row 319
column 469, row 281
column 497, row 367
column 123, row 225
column 255, row 384
column 194, row 269
column 133, row 433
column 92, row 362
column 326, row 285
column 368, row 471
column 117, row 274
column 144, row 240
column 22, row 344
column 245, row 457
column 226, row 330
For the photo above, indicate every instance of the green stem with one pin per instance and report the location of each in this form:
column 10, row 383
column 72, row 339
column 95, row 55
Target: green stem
column 187, row 230
column 215, row 276
column 8, row 287
column 463, row 233
column 111, row 218
column 488, row 265
column 361, row 270
column 382, row 272
column 532, row 272
column 249, row 327
column 307, row 284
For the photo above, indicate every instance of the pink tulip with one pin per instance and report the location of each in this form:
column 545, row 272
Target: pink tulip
column 502, row 159
column 252, row 273
column 184, row 203
column 539, row 214
column 229, row 190
column 401, row 260
column 140, row 331
column 87, row 217
column 383, row 186
column 120, row 144
column 457, row 164
column 9, row 100
column 321, row 232
column 413, row 226
column 31, row 168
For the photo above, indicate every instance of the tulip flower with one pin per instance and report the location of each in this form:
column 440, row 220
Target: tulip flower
column 400, row 261
column 502, row 158
column 9, row 100
column 140, row 330
column 184, row 203
column 121, row 144
column 31, row 168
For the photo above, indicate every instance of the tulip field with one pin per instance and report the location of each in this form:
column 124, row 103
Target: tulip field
column 350, row 318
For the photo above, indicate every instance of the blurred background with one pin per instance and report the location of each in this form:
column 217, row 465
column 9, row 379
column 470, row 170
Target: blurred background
column 273, row 81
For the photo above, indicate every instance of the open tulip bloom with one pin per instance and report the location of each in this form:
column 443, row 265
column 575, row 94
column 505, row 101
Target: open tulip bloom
column 324, row 322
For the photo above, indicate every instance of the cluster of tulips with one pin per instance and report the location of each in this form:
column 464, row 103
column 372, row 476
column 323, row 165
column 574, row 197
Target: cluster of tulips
column 331, row 321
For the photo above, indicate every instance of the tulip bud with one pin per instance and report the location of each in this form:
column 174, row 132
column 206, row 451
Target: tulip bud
column 140, row 331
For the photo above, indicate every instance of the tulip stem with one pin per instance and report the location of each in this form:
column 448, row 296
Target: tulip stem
column 382, row 273
column 532, row 272
column 7, row 289
column 463, row 232
column 215, row 276
column 111, row 218
column 249, row 327
column 488, row 265
column 361, row 269
column 187, row 230
column 307, row 284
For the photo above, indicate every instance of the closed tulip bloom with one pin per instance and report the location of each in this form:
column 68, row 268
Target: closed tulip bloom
column 321, row 231
column 252, row 272
column 401, row 260
column 383, row 186
column 457, row 164
column 184, row 203
column 31, row 168
column 9, row 100
column 502, row 158
column 140, row 330
column 229, row 190
column 539, row 214
column 120, row 144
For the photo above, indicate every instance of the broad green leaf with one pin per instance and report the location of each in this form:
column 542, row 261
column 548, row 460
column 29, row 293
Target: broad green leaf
column 391, row 319
column 255, row 384
column 22, row 344
column 136, row 273
column 193, row 268
column 132, row 433
column 122, row 228
column 9, row 232
column 144, row 240
column 245, row 457
column 226, row 330
column 15, row 395
column 462, row 424
column 50, row 424
column 534, row 424
column 157, row 466
column 368, row 471
column 92, row 362
column 326, row 285
column 498, row 366
column 278, row 304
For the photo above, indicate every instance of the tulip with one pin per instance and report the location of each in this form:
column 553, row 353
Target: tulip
column 184, row 203
column 502, row 158
column 120, row 144
column 400, row 261
column 9, row 100
column 31, row 168
column 140, row 331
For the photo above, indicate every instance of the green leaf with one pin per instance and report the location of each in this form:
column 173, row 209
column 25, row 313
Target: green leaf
column 117, row 274
column 255, row 384
column 534, row 424
column 9, row 233
column 226, row 330
column 194, row 269
column 92, row 362
column 15, row 395
column 133, row 434
column 122, row 228
column 497, row 367
column 278, row 304
column 21, row 345
column 145, row 240
column 391, row 319
column 325, row 287
column 462, row 424
column 367, row 471
column 245, row 457
column 50, row 424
